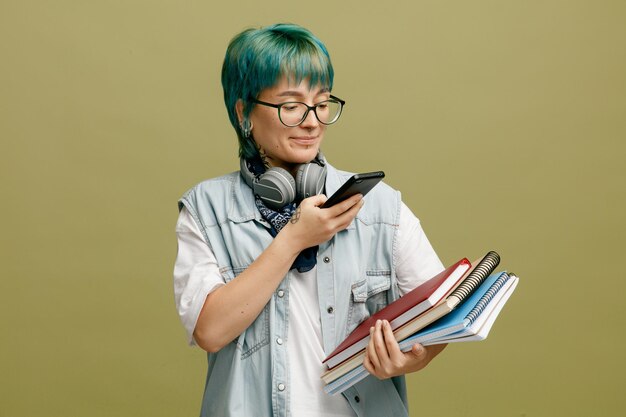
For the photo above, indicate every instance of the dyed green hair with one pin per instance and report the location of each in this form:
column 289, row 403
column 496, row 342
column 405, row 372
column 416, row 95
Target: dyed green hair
column 256, row 59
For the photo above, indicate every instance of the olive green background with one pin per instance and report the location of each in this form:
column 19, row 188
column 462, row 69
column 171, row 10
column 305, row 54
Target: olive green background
column 503, row 124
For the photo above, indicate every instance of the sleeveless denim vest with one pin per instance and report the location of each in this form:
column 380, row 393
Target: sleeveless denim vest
column 355, row 279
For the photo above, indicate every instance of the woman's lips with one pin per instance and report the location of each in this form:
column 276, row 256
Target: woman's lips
column 305, row 140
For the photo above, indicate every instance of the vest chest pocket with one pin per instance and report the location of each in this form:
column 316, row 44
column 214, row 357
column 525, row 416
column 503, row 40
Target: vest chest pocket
column 369, row 295
column 257, row 334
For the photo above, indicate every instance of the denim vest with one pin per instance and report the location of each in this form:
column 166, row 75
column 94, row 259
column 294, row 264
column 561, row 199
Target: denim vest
column 355, row 278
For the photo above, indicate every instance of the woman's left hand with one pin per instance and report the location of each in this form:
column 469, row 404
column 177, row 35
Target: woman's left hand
column 384, row 359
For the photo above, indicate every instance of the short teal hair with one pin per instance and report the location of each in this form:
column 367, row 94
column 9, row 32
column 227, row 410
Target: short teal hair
column 257, row 58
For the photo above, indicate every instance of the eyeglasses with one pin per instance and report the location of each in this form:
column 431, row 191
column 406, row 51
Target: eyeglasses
column 293, row 113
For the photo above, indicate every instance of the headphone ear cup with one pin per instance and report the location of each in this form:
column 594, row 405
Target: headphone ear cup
column 247, row 176
column 310, row 180
column 276, row 187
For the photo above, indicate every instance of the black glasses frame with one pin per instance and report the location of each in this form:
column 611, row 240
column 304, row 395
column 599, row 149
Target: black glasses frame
column 308, row 109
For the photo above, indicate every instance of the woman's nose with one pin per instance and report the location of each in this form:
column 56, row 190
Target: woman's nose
column 310, row 121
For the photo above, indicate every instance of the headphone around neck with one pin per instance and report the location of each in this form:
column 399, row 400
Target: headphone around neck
column 276, row 187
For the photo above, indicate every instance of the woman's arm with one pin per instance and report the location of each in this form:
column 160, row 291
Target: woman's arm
column 231, row 308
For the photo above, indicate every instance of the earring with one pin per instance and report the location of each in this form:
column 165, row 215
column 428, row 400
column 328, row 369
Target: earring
column 246, row 128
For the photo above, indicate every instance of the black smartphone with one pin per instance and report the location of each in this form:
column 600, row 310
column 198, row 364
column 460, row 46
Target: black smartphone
column 356, row 184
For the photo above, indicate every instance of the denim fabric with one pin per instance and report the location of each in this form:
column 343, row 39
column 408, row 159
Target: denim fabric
column 355, row 275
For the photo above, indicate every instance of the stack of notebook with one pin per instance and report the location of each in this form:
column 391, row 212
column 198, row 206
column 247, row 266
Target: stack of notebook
column 458, row 305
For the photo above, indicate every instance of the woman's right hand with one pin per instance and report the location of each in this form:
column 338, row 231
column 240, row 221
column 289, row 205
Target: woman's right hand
column 311, row 225
column 231, row 308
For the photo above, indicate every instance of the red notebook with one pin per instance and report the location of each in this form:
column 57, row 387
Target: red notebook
column 412, row 304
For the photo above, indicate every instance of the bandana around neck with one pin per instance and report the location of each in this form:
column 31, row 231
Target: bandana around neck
column 306, row 259
column 278, row 219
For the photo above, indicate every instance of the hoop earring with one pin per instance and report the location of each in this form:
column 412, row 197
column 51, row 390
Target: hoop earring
column 246, row 128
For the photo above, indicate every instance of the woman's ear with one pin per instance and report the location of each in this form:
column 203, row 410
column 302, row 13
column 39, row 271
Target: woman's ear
column 239, row 111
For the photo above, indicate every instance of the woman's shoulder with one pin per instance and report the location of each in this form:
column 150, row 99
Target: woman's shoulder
column 210, row 190
column 213, row 184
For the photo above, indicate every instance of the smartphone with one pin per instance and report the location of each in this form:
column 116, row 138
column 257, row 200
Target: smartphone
column 356, row 184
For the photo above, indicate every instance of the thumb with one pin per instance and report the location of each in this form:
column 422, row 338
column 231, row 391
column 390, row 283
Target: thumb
column 419, row 351
column 316, row 200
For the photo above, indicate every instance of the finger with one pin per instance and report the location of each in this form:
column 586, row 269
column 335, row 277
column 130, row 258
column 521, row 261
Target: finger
column 419, row 352
column 379, row 343
column 316, row 200
column 344, row 219
column 367, row 363
column 371, row 351
column 344, row 206
column 392, row 345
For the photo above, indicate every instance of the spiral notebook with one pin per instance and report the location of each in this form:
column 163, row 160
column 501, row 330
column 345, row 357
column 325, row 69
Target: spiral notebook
column 474, row 317
column 471, row 321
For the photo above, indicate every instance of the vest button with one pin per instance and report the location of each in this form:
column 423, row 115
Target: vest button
column 326, row 259
column 357, row 399
column 330, row 310
column 281, row 387
column 281, row 293
column 279, row 341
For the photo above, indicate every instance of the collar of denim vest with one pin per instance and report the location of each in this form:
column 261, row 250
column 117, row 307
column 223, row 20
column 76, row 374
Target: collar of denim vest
column 243, row 207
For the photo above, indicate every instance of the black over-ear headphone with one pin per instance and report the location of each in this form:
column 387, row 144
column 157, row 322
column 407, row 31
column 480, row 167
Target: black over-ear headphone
column 276, row 187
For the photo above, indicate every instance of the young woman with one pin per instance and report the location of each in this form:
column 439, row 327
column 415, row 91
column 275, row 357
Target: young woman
column 267, row 281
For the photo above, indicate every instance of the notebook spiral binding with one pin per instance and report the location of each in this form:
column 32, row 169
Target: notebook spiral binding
column 478, row 275
column 486, row 298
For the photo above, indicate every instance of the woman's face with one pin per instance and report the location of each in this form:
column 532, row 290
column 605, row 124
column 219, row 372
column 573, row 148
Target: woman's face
column 283, row 146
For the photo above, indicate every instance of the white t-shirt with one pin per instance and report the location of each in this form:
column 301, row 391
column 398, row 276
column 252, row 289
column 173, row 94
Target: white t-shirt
column 196, row 274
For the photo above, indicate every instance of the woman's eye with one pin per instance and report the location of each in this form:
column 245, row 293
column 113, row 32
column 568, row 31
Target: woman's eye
column 290, row 107
column 322, row 106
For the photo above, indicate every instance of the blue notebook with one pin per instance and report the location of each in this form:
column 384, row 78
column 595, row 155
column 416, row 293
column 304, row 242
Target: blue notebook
column 480, row 319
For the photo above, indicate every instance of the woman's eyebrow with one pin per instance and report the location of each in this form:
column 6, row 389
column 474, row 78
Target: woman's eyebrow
column 289, row 93
column 292, row 93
